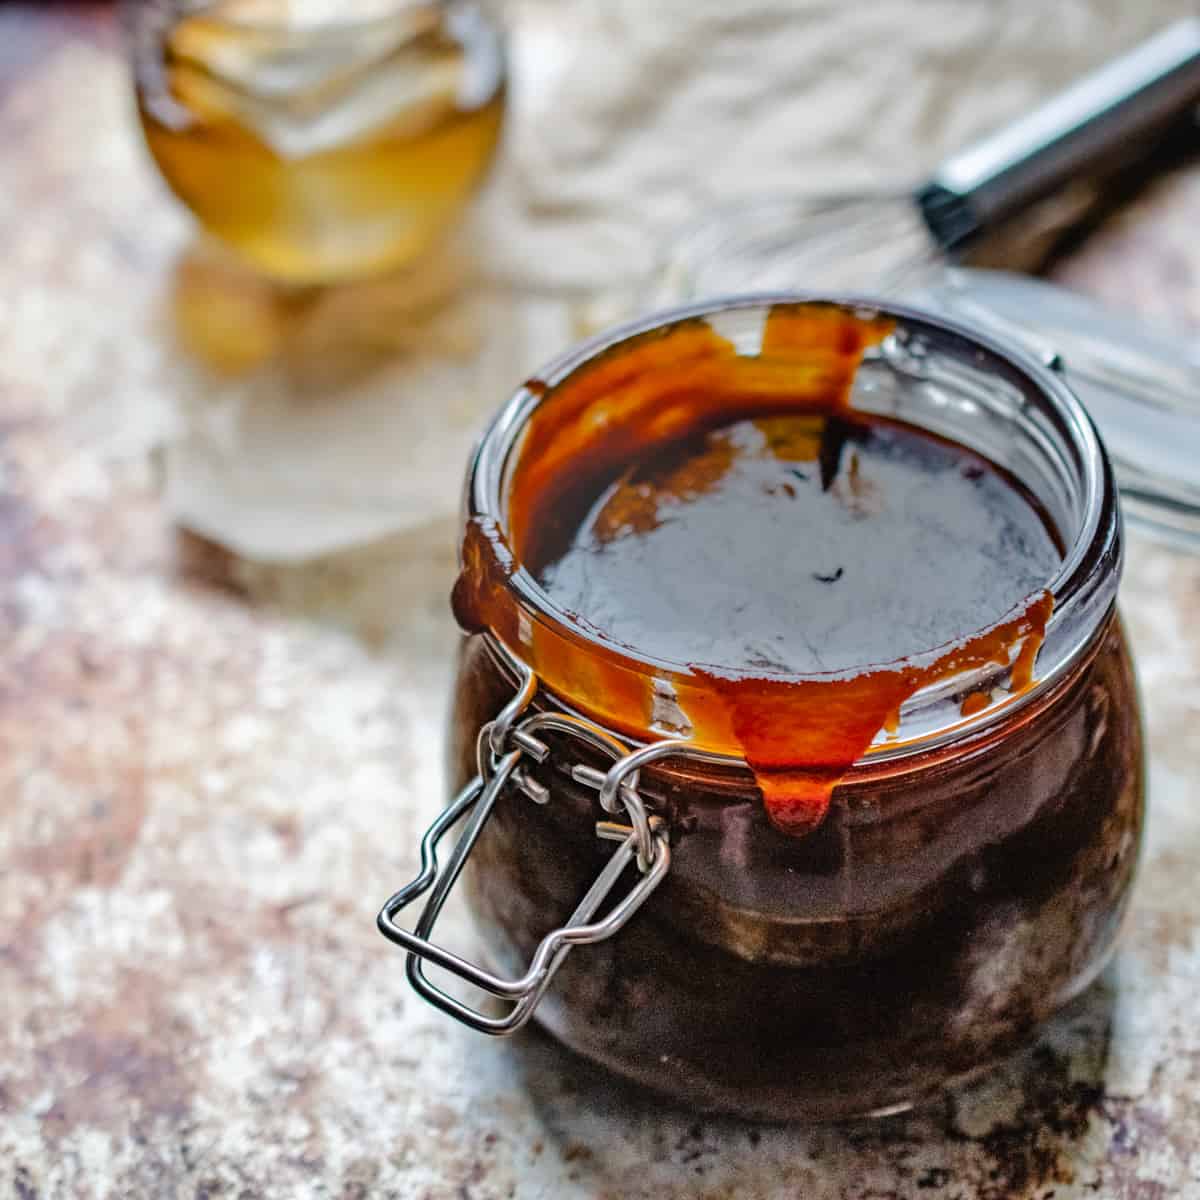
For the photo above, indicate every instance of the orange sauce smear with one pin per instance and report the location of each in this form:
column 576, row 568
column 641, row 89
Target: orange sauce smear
column 799, row 734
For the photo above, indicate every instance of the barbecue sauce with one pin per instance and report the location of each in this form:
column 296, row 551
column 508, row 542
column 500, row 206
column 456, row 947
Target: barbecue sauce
column 800, row 568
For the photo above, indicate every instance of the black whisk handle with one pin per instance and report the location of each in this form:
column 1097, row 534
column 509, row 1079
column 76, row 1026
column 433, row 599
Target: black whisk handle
column 1106, row 121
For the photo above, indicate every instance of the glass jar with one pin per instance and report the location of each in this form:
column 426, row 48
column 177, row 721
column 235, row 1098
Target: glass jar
column 971, row 872
column 320, row 142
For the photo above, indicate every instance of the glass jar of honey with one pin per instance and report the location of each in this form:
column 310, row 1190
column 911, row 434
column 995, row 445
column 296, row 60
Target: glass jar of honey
column 320, row 141
column 808, row 607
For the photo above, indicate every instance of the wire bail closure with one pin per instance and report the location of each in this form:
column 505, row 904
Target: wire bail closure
column 502, row 747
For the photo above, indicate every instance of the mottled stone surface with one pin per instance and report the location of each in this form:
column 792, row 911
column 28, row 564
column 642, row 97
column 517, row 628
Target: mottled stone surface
column 212, row 773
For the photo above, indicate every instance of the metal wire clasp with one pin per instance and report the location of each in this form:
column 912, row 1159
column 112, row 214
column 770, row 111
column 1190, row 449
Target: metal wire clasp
column 502, row 747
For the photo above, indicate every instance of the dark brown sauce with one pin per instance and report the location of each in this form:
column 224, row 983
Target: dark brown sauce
column 795, row 543
column 806, row 567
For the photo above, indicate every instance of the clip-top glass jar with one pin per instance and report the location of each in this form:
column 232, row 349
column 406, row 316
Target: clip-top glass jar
column 964, row 867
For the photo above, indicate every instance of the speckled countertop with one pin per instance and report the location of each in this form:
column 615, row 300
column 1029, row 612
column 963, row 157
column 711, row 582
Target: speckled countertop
column 212, row 773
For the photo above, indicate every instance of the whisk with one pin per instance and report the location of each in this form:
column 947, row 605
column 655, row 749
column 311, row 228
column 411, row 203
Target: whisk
column 1049, row 166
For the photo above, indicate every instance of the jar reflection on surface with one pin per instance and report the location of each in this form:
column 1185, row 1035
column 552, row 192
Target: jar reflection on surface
column 968, row 879
column 325, row 151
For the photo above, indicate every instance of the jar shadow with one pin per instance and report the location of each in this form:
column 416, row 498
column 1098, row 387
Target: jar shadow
column 389, row 594
column 233, row 321
column 1022, row 1124
column 307, row 425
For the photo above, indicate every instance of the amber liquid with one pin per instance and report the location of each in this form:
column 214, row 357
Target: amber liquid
column 322, row 157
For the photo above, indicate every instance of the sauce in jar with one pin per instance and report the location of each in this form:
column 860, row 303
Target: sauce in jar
column 702, row 507
column 787, row 544
column 796, row 544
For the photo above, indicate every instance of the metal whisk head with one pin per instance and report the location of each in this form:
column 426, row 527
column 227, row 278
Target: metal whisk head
column 873, row 244
column 1063, row 154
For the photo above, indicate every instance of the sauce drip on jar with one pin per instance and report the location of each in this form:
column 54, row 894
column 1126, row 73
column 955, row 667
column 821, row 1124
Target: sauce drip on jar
column 807, row 568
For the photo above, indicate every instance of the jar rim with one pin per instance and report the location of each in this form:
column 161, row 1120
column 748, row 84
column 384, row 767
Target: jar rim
column 267, row 22
column 1083, row 588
